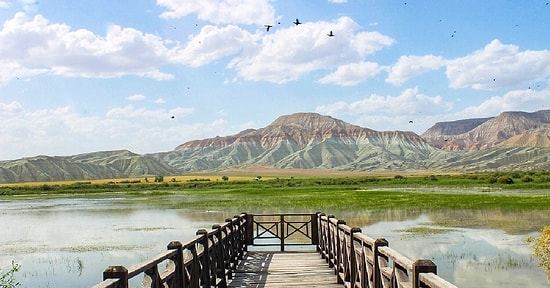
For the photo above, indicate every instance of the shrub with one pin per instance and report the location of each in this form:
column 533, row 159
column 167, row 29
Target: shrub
column 505, row 180
column 526, row 178
column 515, row 174
column 225, row 178
column 541, row 249
column 432, row 178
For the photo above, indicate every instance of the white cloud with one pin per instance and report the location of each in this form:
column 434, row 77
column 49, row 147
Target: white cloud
column 138, row 129
column 517, row 100
column 499, row 66
column 213, row 43
column 221, row 11
column 384, row 113
column 409, row 102
column 4, row 4
column 159, row 101
column 338, row 1
column 136, row 97
column 142, row 114
column 10, row 108
column 411, row 66
column 394, row 112
column 30, row 6
column 352, row 74
column 289, row 53
column 35, row 46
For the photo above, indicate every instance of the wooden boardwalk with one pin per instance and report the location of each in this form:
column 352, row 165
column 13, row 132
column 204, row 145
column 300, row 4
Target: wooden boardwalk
column 283, row 269
column 221, row 258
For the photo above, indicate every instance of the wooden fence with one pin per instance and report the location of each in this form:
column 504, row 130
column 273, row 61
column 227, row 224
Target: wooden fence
column 210, row 259
column 360, row 261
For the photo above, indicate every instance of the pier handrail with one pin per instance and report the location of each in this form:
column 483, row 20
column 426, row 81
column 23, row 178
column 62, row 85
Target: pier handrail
column 262, row 227
column 360, row 261
column 211, row 257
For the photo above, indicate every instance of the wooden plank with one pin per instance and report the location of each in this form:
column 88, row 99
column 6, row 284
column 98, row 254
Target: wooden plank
column 284, row 269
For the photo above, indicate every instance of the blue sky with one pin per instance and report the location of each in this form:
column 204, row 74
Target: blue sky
column 146, row 75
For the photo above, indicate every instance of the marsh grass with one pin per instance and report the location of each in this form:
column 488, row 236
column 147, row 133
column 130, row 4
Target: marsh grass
column 422, row 231
column 431, row 192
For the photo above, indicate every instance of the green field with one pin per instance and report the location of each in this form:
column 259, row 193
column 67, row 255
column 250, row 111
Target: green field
column 504, row 190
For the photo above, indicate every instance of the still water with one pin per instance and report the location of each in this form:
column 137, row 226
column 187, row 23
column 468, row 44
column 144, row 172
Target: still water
column 68, row 242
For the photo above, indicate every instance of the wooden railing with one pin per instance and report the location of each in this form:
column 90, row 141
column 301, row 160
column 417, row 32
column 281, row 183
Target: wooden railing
column 263, row 229
column 360, row 261
column 210, row 259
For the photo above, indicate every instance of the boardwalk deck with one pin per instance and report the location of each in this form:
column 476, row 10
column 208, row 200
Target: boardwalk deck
column 283, row 269
column 215, row 257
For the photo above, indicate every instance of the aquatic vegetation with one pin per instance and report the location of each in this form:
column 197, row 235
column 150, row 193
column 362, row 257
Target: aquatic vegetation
column 420, row 231
column 7, row 279
column 541, row 249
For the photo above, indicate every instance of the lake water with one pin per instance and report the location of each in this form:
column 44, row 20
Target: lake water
column 68, row 242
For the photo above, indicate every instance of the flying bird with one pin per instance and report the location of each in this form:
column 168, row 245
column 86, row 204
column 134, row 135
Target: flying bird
column 297, row 22
column 411, row 121
column 330, row 34
column 267, row 27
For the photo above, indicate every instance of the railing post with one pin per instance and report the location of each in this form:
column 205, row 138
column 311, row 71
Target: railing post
column 321, row 232
column 422, row 266
column 331, row 253
column 195, row 268
column 205, row 271
column 339, row 251
column 282, row 232
column 117, row 272
column 178, row 261
column 219, row 252
column 380, row 242
column 353, row 259
column 249, row 229
column 241, row 230
column 232, row 245
column 315, row 229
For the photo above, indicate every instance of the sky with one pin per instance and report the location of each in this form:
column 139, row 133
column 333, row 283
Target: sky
column 148, row 75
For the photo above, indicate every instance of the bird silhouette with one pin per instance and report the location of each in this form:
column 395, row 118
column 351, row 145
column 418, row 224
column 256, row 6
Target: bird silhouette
column 411, row 121
column 267, row 27
column 297, row 22
column 330, row 34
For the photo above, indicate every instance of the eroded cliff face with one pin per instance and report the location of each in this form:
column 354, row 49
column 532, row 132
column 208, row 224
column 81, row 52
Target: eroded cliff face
column 306, row 140
column 479, row 134
column 538, row 137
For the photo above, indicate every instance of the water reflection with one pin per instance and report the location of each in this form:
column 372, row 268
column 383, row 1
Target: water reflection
column 467, row 257
column 69, row 242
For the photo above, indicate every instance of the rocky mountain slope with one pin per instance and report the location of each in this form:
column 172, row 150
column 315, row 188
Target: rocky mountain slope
column 98, row 165
column 479, row 134
column 511, row 140
column 306, row 140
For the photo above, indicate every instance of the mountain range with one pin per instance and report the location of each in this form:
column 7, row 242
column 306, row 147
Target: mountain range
column 511, row 140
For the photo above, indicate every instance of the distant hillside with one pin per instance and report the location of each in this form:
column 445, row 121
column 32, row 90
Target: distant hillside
column 98, row 165
column 511, row 140
column 478, row 134
column 305, row 140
